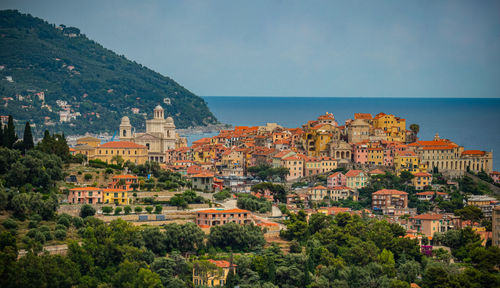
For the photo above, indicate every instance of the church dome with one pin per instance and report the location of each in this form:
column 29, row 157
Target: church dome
column 170, row 120
column 125, row 120
column 158, row 107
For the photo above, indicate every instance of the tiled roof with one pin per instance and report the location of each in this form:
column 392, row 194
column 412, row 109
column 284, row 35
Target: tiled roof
column 334, row 175
column 430, row 193
column 215, row 211
column 85, row 189
column 363, row 116
column 221, row 263
column 113, row 190
column 377, row 171
column 473, row 152
column 319, row 187
column 121, row 144
column 353, row 173
column 125, row 177
column 203, row 174
column 389, row 192
column 428, row 216
column 422, row 174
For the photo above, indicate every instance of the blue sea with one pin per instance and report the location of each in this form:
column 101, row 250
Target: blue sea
column 472, row 123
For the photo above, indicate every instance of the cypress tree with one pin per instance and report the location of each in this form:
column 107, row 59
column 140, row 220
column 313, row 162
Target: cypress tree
column 1, row 135
column 11, row 133
column 28, row 137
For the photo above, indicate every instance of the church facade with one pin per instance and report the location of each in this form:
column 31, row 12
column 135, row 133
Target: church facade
column 159, row 137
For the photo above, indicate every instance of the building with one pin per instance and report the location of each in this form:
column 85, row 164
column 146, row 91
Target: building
column 390, row 202
column 124, row 182
column 203, row 181
column 394, row 127
column 85, row 195
column 408, row 161
column 90, row 141
column 85, row 149
column 356, row 179
column 421, row 180
column 159, row 137
column 336, row 179
column 483, row 202
column 428, row 224
column 358, row 131
column 128, row 151
column 448, row 157
column 430, row 195
column 495, row 225
column 113, row 195
column 495, row 175
column 295, row 166
column 215, row 277
column 215, row 217
column 318, row 193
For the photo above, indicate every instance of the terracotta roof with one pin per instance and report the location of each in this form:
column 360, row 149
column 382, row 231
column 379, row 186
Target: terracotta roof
column 121, row 144
column 341, row 188
column 203, row 174
column 215, row 211
column 85, row 189
column 88, row 138
column 363, row 116
column 319, row 187
column 431, row 193
column 377, row 171
column 389, row 192
column 125, row 177
column 221, row 263
column 334, row 175
column 428, row 216
column 495, row 173
column 473, row 152
column 406, row 153
column 113, row 190
column 422, row 174
column 353, row 173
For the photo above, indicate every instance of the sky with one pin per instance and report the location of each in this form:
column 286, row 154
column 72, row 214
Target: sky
column 299, row 48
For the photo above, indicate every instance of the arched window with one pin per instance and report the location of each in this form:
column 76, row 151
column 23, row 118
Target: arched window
column 124, row 133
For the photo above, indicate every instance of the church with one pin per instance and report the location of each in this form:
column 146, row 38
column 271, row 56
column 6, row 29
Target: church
column 159, row 137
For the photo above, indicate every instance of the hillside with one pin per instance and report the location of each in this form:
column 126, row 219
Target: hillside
column 49, row 73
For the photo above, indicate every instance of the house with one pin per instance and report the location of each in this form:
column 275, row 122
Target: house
column 483, row 202
column 429, row 195
column 376, row 172
column 128, row 151
column 318, row 193
column 114, row 195
column 356, row 179
column 428, row 224
column 85, row 195
column 215, row 277
column 203, row 181
column 336, row 179
column 295, row 165
column 124, row 182
column 216, row 217
column 421, row 180
column 390, row 202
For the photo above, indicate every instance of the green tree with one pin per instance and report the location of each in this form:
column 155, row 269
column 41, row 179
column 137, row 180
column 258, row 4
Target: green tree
column 470, row 212
column 86, row 211
column 127, row 209
column 158, row 209
column 28, row 138
column 10, row 136
column 118, row 210
column 149, row 209
column 107, row 210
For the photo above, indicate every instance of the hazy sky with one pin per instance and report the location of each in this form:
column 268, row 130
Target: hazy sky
column 299, row 48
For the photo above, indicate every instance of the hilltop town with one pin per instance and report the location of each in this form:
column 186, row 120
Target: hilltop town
column 253, row 188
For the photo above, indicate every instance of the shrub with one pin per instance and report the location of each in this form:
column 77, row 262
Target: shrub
column 127, row 210
column 77, row 222
column 87, row 211
column 48, row 235
column 158, row 209
column 60, row 227
column 118, row 210
column 64, row 219
column 79, row 172
column 107, row 210
column 33, row 224
column 44, row 228
column 60, row 234
column 149, row 200
column 138, row 209
column 87, row 176
column 109, row 171
column 40, row 237
column 149, row 209
column 10, row 224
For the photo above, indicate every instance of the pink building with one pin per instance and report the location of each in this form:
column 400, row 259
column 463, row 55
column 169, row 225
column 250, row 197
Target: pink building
column 336, row 179
column 213, row 217
column 360, row 153
column 85, row 195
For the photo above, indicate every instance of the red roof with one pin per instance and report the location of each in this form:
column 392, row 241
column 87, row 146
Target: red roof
column 334, row 175
column 430, row 193
column 125, row 177
column 364, row 116
column 203, row 174
column 113, row 190
column 377, row 171
column 85, row 189
column 473, row 152
column 428, row 216
column 221, row 263
column 214, row 211
column 353, row 173
column 389, row 192
column 422, row 174
column 319, row 187
column 121, row 144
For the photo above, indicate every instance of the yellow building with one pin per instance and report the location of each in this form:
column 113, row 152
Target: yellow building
column 316, row 140
column 118, row 196
column 421, row 180
column 128, row 151
column 393, row 126
column 91, row 141
column 408, row 161
column 211, row 273
column 85, row 149
column 375, row 156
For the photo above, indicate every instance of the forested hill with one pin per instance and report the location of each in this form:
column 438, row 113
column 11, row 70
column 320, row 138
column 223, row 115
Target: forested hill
column 92, row 83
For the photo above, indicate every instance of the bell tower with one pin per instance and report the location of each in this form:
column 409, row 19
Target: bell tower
column 125, row 129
